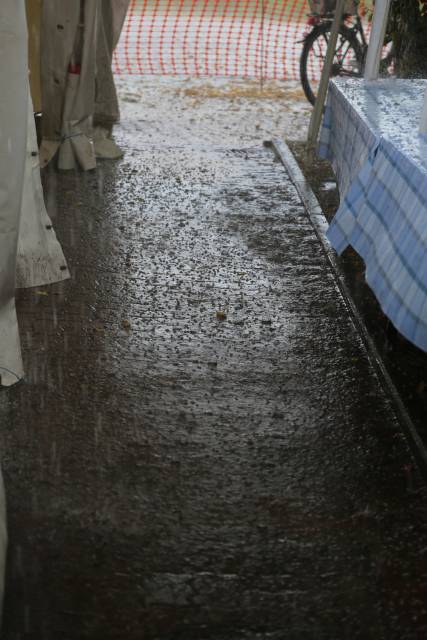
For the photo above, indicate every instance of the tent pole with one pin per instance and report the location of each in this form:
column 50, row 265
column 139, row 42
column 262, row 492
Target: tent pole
column 376, row 39
column 34, row 8
column 316, row 116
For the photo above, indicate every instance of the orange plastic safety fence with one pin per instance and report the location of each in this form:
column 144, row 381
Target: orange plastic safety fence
column 246, row 38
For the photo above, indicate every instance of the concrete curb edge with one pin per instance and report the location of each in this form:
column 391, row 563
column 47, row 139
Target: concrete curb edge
column 320, row 226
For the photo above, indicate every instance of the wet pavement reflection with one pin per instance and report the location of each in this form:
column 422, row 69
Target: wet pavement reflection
column 201, row 449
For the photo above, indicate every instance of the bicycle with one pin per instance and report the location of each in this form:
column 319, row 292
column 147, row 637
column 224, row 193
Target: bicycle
column 350, row 52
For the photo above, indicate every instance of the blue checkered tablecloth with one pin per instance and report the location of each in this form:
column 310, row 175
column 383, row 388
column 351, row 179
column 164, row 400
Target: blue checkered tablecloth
column 383, row 211
column 346, row 138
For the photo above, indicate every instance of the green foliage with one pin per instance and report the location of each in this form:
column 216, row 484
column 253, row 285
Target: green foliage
column 408, row 26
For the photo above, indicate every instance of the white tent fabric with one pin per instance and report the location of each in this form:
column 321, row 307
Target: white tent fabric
column 110, row 23
column 40, row 258
column 110, row 19
column 3, row 540
column 79, row 100
column 76, row 147
column 13, row 140
column 68, row 54
column 30, row 254
column 119, row 8
column 13, row 121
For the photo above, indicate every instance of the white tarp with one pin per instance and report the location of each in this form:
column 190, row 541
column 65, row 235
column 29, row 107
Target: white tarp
column 13, row 142
column 79, row 100
column 13, row 139
column 3, row 541
column 40, row 258
column 30, row 254
column 68, row 53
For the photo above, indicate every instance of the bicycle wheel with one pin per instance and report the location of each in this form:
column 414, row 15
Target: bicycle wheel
column 348, row 59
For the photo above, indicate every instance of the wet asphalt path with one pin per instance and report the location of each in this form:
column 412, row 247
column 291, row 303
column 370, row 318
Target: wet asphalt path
column 201, row 450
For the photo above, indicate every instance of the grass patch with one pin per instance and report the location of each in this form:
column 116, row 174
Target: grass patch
column 249, row 90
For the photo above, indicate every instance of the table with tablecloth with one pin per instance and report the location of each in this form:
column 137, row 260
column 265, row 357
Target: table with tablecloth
column 370, row 135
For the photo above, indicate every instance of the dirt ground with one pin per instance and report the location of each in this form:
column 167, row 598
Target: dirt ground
column 202, row 112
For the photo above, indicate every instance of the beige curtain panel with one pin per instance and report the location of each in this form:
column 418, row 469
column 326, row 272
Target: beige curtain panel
column 13, row 142
column 79, row 100
column 30, row 254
